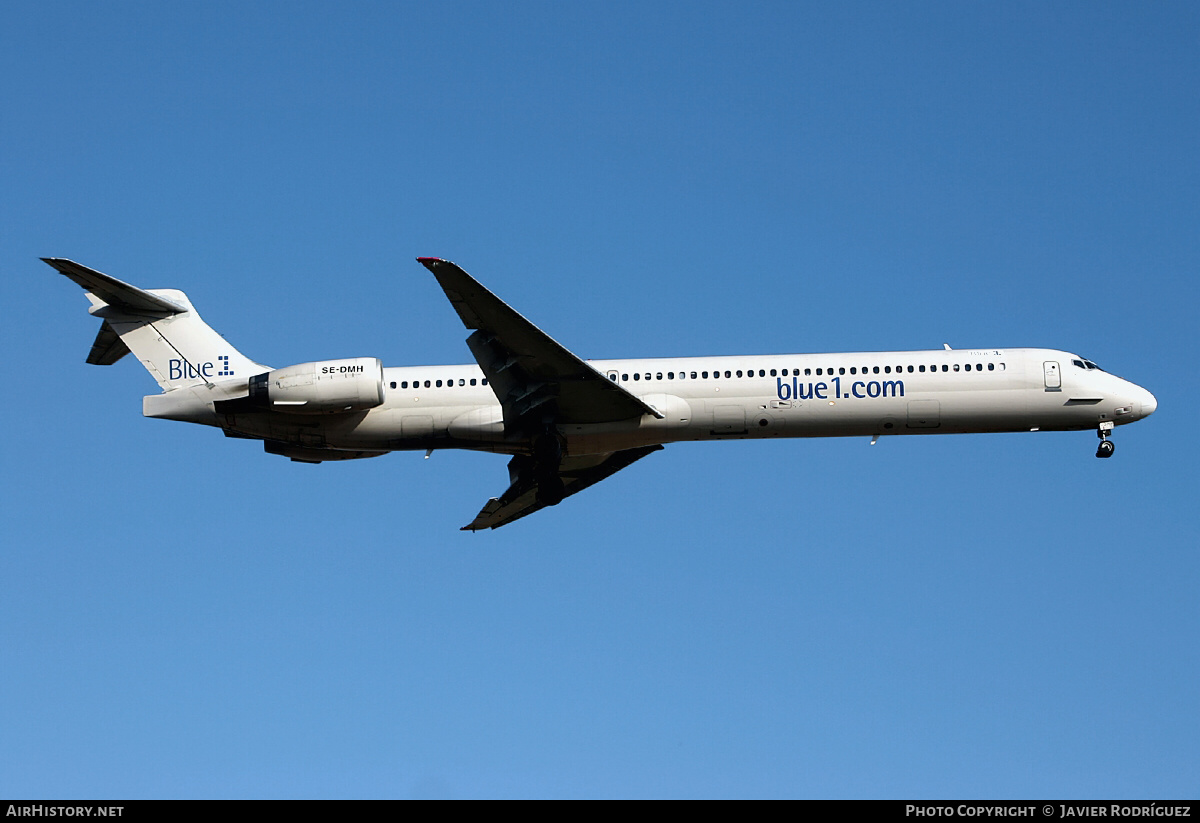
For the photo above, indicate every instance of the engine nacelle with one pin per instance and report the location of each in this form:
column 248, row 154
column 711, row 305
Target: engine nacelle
column 324, row 387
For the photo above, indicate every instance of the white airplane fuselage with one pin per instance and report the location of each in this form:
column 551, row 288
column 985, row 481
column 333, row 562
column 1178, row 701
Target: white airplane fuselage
column 570, row 423
column 805, row 395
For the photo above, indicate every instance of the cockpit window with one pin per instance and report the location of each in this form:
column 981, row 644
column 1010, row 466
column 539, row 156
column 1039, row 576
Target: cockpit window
column 1086, row 364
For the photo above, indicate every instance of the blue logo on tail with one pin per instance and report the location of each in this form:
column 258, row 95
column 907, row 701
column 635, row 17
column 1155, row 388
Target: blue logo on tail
column 180, row 369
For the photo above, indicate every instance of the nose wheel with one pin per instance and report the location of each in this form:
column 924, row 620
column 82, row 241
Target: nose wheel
column 1106, row 447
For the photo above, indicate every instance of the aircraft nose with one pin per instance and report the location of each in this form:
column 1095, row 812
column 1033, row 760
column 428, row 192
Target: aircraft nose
column 1149, row 404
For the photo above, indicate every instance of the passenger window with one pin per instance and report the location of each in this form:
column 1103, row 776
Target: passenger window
column 921, row 369
column 624, row 377
column 693, row 377
column 426, row 384
column 841, row 370
column 393, row 384
column 875, row 369
column 657, row 377
column 483, row 382
column 910, row 369
column 439, row 384
column 637, row 376
column 991, row 366
column 773, row 372
column 887, row 369
column 670, row 375
column 404, row 384
column 472, row 381
column 956, row 367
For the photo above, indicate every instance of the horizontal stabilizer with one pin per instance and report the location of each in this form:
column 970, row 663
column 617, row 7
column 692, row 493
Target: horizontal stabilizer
column 114, row 292
column 577, row 474
column 164, row 332
column 108, row 348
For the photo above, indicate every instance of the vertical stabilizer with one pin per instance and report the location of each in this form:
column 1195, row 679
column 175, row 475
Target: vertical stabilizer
column 160, row 327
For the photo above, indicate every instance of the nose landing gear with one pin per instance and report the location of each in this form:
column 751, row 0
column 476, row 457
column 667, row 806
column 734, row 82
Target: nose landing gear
column 1106, row 447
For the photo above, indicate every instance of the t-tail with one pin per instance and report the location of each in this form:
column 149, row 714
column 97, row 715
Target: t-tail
column 162, row 329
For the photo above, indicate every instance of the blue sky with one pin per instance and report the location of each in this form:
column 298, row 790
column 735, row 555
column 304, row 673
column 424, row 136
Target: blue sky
column 183, row 615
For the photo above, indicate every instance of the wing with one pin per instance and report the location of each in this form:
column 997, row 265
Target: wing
column 576, row 473
column 532, row 375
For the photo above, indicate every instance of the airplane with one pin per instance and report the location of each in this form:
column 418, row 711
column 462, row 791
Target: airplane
column 568, row 423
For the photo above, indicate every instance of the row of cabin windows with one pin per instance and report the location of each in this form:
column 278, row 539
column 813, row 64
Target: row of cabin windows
column 430, row 384
column 703, row 375
column 946, row 367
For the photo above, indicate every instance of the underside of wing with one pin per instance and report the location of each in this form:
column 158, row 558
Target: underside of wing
column 534, row 377
column 576, row 473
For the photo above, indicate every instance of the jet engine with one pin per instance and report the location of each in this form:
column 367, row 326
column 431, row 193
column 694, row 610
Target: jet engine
column 324, row 387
